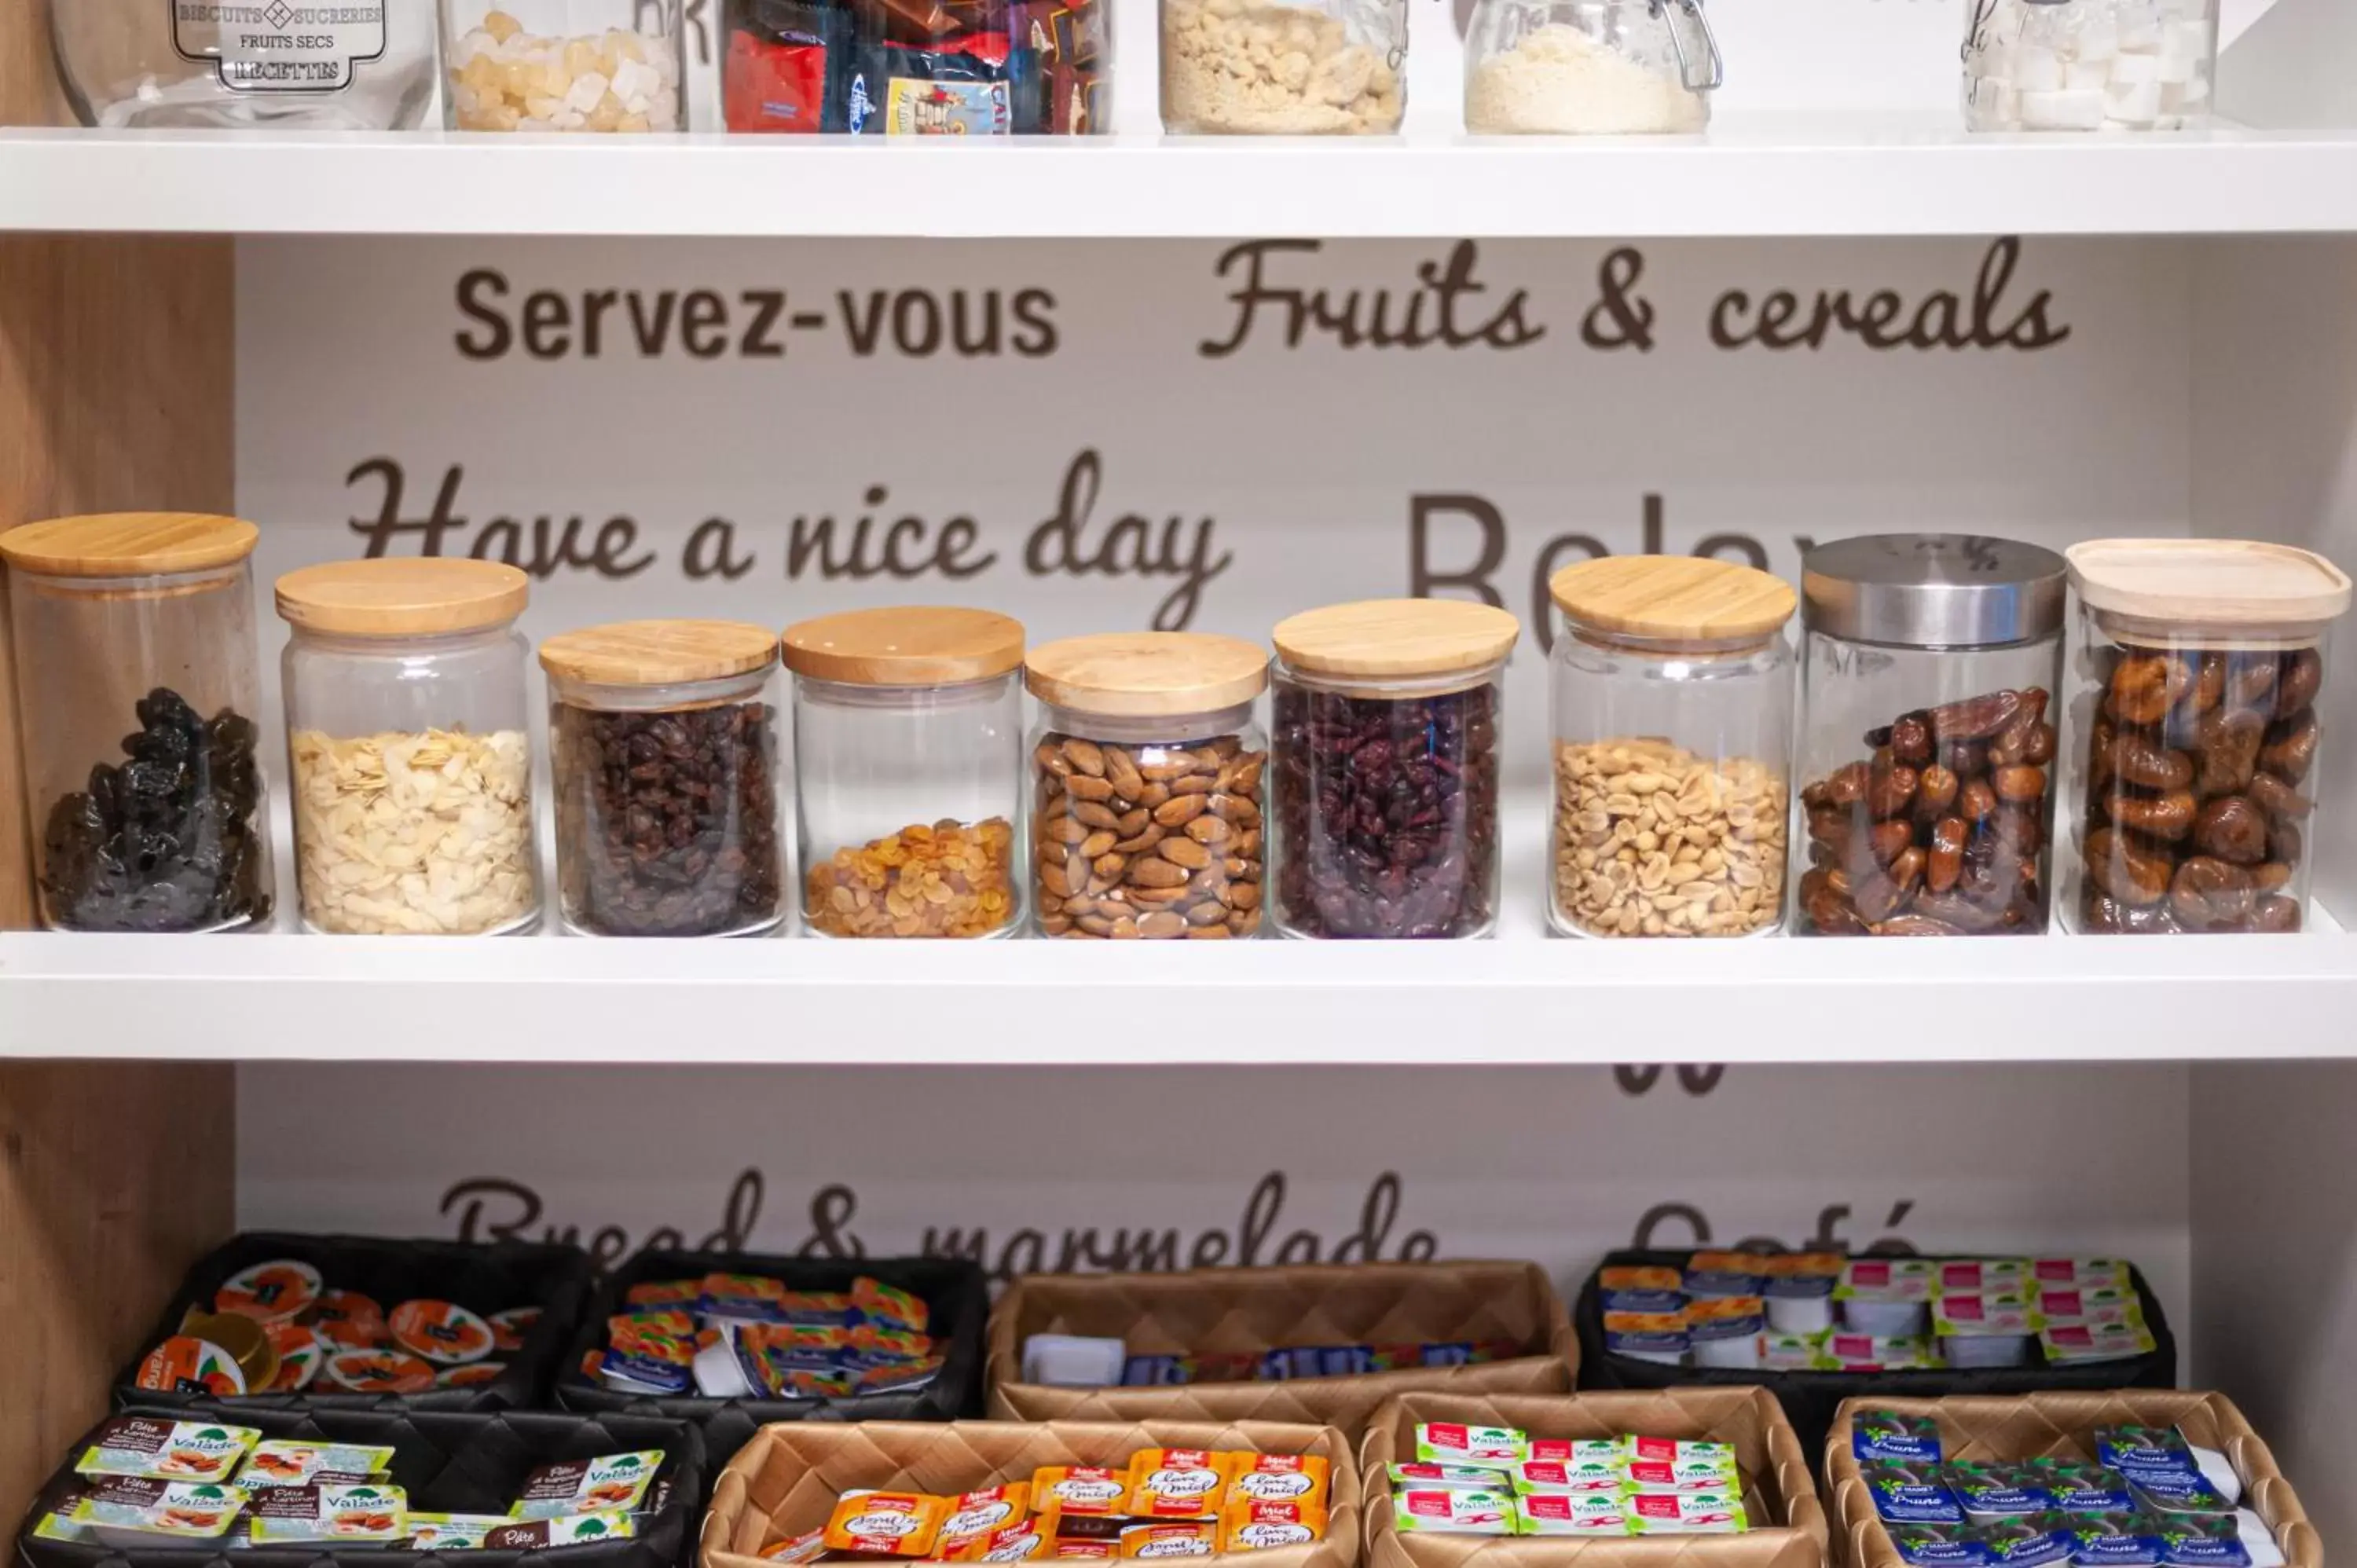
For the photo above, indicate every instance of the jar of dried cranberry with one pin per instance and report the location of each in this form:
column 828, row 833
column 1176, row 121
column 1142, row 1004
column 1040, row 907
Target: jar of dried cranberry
column 1386, row 760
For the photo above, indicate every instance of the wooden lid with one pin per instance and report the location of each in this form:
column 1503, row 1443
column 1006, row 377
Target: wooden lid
column 1148, row 674
column 1673, row 598
column 129, row 544
column 1394, row 639
column 923, row 644
column 2164, row 585
column 408, row 596
column 659, row 652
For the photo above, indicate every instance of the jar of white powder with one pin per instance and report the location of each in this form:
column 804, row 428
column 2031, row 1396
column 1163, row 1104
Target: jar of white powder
column 1270, row 67
column 1589, row 67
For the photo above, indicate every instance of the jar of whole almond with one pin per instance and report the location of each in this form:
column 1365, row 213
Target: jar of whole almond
column 1146, row 767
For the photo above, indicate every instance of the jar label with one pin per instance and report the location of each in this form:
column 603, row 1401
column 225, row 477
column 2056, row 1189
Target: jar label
column 280, row 45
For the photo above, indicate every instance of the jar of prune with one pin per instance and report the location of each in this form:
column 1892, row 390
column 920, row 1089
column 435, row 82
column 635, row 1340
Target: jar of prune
column 2196, row 679
column 409, row 747
column 1145, row 802
column 137, row 683
column 1927, row 740
column 908, row 771
column 664, row 752
column 1673, row 697
column 582, row 66
column 1284, row 68
column 1387, row 740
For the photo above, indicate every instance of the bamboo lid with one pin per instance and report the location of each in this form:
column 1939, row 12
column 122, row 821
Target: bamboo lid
column 1392, row 639
column 2177, row 584
column 129, row 544
column 923, row 644
column 659, row 652
column 1146, row 674
column 1673, row 598
column 409, row 597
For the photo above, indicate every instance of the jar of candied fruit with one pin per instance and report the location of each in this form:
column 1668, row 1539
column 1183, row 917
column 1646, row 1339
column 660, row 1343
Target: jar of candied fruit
column 563, row 65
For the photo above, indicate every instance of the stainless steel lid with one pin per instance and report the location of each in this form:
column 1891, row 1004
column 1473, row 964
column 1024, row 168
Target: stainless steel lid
column 1933, row 590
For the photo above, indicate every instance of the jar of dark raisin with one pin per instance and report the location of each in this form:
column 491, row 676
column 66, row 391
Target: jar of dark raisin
column 1386, row 760
column 664, row 744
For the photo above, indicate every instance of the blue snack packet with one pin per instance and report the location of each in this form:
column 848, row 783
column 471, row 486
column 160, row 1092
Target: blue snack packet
column 1153, row 1371
column 2029, row 1542
column 2128, row 1449
column 1935, row 1546
column 1886, row 1434
column 1911, row 1494
column 1990, row 1491
column 2177, row 1492
column 1456, row 1353
column 2080, row 1488
column 2198, row 1541
column 2116, row 1538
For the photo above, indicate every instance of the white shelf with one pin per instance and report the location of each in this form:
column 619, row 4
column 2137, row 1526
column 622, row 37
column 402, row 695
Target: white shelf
column 1770, row 174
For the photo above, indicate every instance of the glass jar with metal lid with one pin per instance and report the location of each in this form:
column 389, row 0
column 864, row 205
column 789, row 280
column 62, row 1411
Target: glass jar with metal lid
column 664, row 749
column 137, row 686
column 1388, row 740
column 1589, row 67
column 409, row 747
column 1672, row 693
column 2198, row 677
column 908, row 771
column 1928, row 736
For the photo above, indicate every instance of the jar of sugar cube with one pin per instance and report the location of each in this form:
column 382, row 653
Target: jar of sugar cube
column 2089, row 65
column 563, row 65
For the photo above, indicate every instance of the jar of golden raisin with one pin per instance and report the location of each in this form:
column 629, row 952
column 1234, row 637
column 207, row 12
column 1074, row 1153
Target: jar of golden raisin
column 908, row 771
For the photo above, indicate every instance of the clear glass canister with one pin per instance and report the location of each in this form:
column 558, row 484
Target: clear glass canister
column 1388, row 722
column 1672, row 693
column 663, row 755
column 563, row 65
column 1928, row 736
column 1589, row 67
column 136, row 690
column 1146, row 776
column 908, row 771
column 1271, row 67
column 2089, row 65
column 409, row 747
column 299, row 65
column 2197, row 677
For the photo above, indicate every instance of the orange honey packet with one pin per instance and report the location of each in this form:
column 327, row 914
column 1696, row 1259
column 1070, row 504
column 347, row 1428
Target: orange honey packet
column 1016, row 1543
column 1278, row 1478
column 1176, row 1483
column 896, row 1524
column 806, row 1547
column 1082, row 1490
column 1171, row 1538
column 973, row 1515
column 1261, row 1527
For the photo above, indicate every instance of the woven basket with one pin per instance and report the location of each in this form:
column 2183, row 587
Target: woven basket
column 2060, row 1425
column 1252, row 1310
column 1781, row 1495
column 786, row 1479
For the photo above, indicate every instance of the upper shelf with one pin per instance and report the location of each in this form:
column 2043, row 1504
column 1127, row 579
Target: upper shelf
column 1773, row 175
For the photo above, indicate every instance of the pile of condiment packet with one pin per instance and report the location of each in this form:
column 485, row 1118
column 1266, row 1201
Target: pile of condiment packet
column 740, row 1336
column 1495, row 1480
column 1309, row 1361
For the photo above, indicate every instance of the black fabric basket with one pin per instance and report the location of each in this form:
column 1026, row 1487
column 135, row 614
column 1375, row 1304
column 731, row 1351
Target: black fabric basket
column 448, row 1462
column 957, row 1302
column 486, row 1277
column 1809, row 1398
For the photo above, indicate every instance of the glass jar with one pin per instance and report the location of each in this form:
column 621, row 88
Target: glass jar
column 1146, row 771
column 1671, row 686
column 2089, row 65
column 1927, row 736
column 1270, row 67
column 1589, row 67
column 307, row 65
column 409, row 748
column 563, row 65
column 137, row 687
column 2195, row 683
column 1387, row 738
column 908, row 771
column 663, row 754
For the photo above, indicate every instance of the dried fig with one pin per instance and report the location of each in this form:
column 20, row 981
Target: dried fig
column 2138, row 761
column 2232, row 830
column 2107, row 915
column 2286, row 841
column 2162, row 818
column 2209, row 686
column 2280, row 800
column 2145, row 686
column 2302, row 678
column 2274, row 915
column 2207, row 894
column 2290, row 748
column 2251, row 680
column 2123, row 871
column 2270, row 876
column 2228, row 751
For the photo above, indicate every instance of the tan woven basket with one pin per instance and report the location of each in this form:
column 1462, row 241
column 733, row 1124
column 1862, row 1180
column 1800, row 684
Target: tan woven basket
column 1788, row 1527
column 1252, row 1310
column 786, row 1479
column 2060, row 1425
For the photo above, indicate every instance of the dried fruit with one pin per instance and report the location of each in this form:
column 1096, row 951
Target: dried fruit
column 1163, row 879
column 951, row 879
column 424, row 833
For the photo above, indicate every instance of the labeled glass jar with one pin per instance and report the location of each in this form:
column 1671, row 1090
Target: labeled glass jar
column 1928, row 736
column 1589, row 67
column 2195, row 684
column 1145, row 786
column 137, row 687
column 304, row 65
column 2089, row 65
column 1278, row 68
column 1389, row 716
column 563, row 65
column 409, row 747
column 1671, row 690
column 663, row 754
column 908, row 771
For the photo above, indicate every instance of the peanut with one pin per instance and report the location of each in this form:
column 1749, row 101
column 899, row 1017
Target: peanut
column 1652, row 840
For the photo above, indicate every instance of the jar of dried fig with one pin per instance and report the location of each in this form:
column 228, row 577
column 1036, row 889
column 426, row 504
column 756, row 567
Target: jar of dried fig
column 1147, row 769
column 1387, row 738
column 664, row 749
column 1928, row 736
column 2197, row 677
